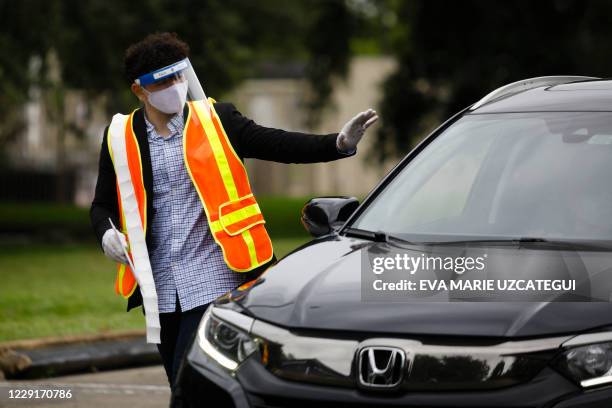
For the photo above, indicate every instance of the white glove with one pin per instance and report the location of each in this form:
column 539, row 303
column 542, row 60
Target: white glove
column 353, row 130
column 113, row 246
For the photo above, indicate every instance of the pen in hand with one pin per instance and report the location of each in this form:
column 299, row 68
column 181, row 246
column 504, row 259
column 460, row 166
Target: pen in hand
column 125, row 252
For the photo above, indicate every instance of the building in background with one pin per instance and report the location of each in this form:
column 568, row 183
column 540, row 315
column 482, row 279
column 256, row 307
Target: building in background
column 276, row 98
column 279, row 102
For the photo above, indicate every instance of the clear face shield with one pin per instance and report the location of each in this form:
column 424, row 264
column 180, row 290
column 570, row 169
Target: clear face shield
column 181, row 70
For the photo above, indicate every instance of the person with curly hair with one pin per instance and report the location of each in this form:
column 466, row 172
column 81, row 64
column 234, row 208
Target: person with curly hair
column 188, row 257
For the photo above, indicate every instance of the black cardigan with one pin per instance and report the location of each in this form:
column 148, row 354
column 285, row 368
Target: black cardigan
column 248, row 140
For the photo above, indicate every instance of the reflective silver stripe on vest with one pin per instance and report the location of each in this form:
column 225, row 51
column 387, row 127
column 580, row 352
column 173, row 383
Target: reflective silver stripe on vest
column 135, row 231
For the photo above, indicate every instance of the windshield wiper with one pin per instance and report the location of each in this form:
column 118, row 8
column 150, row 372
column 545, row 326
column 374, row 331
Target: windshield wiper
column 382, row 236
column 487, row 241
column 569, row 244
column 376, row 236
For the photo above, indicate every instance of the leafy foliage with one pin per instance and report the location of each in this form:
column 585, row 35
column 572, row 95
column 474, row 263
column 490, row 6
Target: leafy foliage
column 452, row 53
column 55, row 46
column 449, row 54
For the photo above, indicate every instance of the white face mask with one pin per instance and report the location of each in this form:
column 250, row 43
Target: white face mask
column 169, row 100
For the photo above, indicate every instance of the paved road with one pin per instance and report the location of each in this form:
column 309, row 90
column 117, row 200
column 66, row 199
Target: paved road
column 132, row 388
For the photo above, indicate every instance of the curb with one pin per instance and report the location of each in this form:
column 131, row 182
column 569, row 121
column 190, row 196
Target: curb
column 30, row 359
column 29, row 344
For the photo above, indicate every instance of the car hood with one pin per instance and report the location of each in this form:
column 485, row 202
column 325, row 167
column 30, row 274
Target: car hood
column 318, row 287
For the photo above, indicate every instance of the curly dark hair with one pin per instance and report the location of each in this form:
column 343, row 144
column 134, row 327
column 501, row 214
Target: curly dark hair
column 155, row 51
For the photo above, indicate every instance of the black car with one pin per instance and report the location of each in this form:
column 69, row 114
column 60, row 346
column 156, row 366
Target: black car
column 523, row 176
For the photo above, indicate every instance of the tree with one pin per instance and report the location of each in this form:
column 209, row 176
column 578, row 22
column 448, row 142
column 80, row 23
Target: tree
column 80, row 46
column 21, row 36
column 452, row 53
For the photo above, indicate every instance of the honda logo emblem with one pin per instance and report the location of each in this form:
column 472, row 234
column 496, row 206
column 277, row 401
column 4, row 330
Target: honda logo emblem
column 381, row 367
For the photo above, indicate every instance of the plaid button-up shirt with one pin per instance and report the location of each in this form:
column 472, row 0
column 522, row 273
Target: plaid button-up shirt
column 184, row 256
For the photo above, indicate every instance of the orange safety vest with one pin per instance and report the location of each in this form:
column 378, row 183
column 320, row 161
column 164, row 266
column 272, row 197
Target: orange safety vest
column 220, row 178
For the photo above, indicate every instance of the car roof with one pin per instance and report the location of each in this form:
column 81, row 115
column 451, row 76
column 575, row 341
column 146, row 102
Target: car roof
column 591, row 95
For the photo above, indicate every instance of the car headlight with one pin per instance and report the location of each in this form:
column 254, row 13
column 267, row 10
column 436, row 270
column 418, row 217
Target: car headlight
column 223, row 336
column 589, row 365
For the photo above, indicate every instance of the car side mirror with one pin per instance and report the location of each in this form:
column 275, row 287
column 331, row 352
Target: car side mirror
column 322, row 215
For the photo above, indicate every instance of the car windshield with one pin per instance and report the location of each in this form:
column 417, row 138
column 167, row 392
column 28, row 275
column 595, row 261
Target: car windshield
column 512, row 175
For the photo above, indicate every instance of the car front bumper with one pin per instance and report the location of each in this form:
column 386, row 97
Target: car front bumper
column 202, row 382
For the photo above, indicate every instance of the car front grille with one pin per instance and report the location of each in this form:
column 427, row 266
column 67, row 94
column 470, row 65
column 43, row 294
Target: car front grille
column 429, row 367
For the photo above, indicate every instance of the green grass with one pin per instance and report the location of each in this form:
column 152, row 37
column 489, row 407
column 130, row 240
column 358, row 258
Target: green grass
column 60, row 289
column 50, row 290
